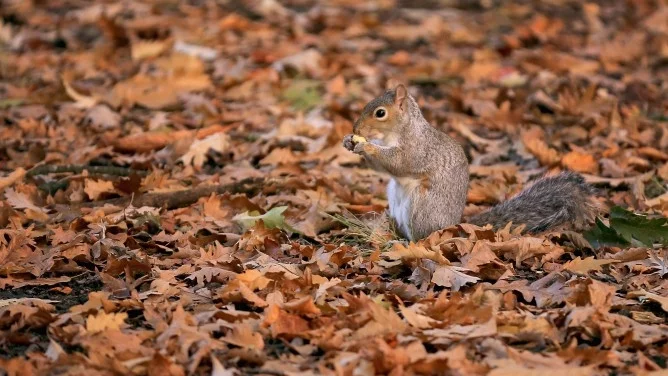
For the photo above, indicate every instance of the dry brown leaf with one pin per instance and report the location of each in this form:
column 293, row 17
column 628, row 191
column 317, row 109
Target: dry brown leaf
column 534, row 141
column 580, row 162
column 197, row 154
column 414, row 252
column 105, row 321
column 20, row 201
column 580, row 266
column 80, row 100
column 95, row 188
column 415, row 319
column 143, row 49
column 243, row 335
column 253, row 279
column 452, row 277
column 12, row 178
column 662, row 300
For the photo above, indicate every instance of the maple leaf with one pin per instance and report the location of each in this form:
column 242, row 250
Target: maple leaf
column 105, row 321
column 452, row 276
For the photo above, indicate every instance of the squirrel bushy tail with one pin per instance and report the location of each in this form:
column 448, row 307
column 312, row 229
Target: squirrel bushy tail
column 548, row 203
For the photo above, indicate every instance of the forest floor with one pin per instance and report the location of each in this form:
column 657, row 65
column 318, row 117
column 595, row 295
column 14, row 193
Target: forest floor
column 175, row 198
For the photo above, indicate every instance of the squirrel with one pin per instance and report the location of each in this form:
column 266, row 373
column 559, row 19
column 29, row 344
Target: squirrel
column 430, row 177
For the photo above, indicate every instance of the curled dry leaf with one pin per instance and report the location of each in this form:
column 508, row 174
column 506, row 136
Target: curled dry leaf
column 197, row 154
column 12, row 178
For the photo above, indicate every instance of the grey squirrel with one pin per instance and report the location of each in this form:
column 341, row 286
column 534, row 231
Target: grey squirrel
column 430, row 175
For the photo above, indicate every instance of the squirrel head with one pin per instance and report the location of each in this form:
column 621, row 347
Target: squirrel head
column 383, row 119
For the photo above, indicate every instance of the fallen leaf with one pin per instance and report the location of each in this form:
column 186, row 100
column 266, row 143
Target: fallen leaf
column 243, row 335
column 197, row 154
column 580, row 266
column 95, row 188
column 105, row 321
column 580, row 162
column 452, row 277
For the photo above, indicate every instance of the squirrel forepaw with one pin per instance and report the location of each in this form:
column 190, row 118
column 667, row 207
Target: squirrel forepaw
column 365, row 148
column 348, row 142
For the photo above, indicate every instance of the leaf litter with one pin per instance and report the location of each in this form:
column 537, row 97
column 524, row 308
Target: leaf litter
column 176, row 200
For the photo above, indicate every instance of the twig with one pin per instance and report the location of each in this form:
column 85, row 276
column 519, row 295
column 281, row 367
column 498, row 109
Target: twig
column 77, row 169
column 54, row 186
column 179, row 199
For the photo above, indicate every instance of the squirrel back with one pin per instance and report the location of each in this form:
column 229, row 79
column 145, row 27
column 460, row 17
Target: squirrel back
column 430, row 175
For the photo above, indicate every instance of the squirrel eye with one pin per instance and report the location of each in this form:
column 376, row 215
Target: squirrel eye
column 380, row 113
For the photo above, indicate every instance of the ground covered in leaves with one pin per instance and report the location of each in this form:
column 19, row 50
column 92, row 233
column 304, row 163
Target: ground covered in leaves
column 175, row 198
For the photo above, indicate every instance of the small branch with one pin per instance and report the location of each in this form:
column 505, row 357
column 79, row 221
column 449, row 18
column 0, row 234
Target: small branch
column 54, row 186
column 77, row 169
column 179, row 199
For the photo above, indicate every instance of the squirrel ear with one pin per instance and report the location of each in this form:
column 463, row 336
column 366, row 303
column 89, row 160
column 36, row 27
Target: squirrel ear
column 400, row 95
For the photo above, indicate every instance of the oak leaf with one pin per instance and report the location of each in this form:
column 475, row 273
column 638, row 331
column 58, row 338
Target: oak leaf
column 452, row 276
column 197, row 154
column 105, row 321
column 95, row 188
column 414, row 252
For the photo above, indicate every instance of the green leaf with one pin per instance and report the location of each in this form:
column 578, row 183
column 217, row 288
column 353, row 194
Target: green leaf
column 627, row 227
column 303, row 94
column 274, row 218
column 635, row 226
column 601, row 235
